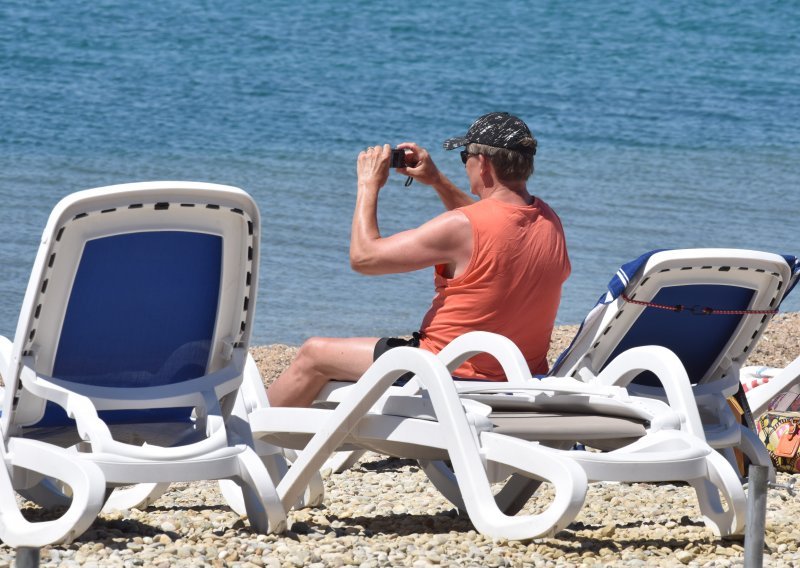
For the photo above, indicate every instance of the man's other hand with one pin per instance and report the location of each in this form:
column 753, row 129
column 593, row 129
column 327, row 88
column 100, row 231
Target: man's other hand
column 373, row 167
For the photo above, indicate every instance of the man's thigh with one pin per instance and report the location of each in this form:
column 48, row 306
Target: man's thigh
column 344, row 359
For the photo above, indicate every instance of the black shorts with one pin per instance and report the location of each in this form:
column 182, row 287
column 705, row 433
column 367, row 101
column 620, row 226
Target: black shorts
column 385, row 343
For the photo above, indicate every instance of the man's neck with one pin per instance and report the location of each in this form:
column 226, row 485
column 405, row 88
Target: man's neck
column 512, row 193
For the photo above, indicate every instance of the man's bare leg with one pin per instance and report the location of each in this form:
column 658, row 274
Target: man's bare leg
column 319, row 360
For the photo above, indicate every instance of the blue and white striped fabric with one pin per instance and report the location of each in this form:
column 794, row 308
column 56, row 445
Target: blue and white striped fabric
column 620, row 280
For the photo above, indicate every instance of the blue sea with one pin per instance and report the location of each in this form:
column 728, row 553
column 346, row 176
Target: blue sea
column 660, row 124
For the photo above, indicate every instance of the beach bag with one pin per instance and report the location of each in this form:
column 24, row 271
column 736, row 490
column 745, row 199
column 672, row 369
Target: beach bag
column 779, row 429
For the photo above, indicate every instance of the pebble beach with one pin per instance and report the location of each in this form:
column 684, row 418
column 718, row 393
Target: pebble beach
column 384, row 512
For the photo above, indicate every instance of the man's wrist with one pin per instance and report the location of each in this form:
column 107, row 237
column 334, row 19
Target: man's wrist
column 367, row 186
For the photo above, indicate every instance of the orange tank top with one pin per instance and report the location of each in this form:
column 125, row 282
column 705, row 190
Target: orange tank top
column 511, row 286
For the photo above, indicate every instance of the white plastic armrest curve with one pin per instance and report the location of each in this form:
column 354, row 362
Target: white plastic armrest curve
column 84, row 478
column 94, row 430
column 78, row 407
column 466, row 346
column 501, row 348
column 669, row 370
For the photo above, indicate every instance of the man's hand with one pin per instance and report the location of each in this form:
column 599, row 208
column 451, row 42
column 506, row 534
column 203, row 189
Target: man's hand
column 426, row 172
column 373, row 167
column 423, row 170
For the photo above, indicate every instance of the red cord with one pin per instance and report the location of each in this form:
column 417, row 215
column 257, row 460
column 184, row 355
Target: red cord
column 706, row 311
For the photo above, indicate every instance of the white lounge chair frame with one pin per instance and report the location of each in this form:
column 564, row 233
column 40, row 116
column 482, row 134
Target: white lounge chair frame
column 767, row 275
column 431, row 419
column 213, row 446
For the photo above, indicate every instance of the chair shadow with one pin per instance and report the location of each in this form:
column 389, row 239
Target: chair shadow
column 387, row 464
column 402, row 524
column 685, row 521
column 568, row 540
column 105, row 530
column 116, row 534
column 406, row 524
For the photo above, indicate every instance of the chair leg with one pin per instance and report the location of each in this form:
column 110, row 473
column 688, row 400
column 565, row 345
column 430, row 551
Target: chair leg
column 444, row 480
column 721, row 479
column 264, row 508
column 511, row 498
column 315, row 491
column 85, row 479
column 276, row 466
column 756, row 451
column 253, row 395
column 516, row 492
column 537, row 463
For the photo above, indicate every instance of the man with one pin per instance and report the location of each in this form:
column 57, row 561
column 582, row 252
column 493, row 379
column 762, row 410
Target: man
column 499, row 262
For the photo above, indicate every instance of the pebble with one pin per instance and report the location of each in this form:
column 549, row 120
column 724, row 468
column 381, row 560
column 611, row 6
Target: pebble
column 607, row 531
column 168, row 527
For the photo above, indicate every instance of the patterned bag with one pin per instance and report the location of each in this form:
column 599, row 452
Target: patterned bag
column 779, row 429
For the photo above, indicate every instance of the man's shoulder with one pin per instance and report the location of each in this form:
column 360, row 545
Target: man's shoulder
column 454, row 218
column 448, row 224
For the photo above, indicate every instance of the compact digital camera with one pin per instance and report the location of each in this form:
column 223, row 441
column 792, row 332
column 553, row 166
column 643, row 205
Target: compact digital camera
column 398, row 158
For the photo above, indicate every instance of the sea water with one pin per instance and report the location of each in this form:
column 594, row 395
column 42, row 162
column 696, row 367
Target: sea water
column 660, row 125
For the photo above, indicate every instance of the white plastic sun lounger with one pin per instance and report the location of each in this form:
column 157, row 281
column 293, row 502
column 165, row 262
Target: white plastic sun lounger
column 129, row 354
column 505, row 433
column 744, row 284
column 709, row 307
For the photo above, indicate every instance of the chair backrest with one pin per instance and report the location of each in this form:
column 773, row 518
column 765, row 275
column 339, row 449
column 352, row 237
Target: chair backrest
column 709, row 306
column 136, row 286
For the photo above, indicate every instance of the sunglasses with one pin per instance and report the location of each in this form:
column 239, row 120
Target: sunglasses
column 465, row 156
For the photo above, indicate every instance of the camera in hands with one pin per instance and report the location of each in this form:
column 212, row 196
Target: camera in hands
column 398, row 158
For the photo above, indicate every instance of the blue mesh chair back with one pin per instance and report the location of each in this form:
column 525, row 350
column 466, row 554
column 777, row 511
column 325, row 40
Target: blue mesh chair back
column 142, row 312
column 696, row 338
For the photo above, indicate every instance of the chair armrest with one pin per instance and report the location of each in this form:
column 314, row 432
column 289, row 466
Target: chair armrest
column 77, row 406
column 94, row 430
column 501, row 348
column 669, row 370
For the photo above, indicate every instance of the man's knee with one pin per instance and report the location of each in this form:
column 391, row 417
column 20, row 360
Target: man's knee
column 311, row 354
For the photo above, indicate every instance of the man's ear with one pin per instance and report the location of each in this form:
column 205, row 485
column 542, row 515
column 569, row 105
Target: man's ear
column 487, row 167
column 485, row 163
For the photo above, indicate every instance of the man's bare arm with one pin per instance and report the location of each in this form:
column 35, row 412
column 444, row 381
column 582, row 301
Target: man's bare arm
column 446, row 239
column 452, row 197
